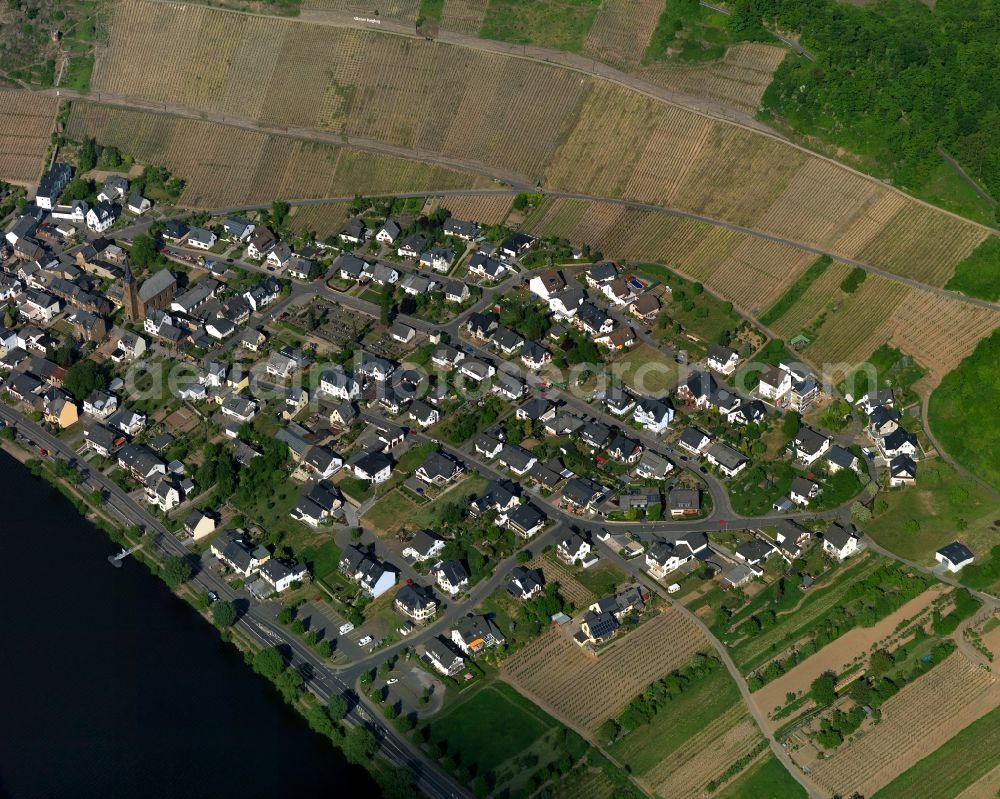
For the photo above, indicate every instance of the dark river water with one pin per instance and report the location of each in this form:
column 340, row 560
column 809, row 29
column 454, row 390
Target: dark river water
column 112, row 687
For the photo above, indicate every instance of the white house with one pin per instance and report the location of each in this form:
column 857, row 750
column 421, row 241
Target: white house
column 201, row 239
column 723, row 359
column 841, row 542
column 101, row 217
column 574, row 548
column 653, row 414
column 774, row 385
column 954, row 556
column 374, row 467
column 451, row 576
column 338, row 383
column 810, row 446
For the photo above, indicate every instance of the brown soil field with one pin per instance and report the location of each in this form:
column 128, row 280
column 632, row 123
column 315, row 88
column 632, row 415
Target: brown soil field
column 26, row 125
column 226, row 166
column 839, row 654
column 915, row 722
column 551, row 669
column 738, row 79
column 939, row 332
column 622, row 30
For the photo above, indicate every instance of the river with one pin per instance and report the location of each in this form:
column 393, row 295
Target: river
column 110, row 686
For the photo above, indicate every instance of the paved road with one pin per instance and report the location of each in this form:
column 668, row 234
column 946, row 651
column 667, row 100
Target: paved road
column 321, row 679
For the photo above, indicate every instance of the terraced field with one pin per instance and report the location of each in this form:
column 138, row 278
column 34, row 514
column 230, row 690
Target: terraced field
column 226, row 166
column 25, row 127
column 576, row 133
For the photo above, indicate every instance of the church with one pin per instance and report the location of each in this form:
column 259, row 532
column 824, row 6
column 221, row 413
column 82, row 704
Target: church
column 154, row 294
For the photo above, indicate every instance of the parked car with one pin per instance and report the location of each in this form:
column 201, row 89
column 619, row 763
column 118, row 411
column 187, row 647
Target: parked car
column 346, row 628
column 365, row 641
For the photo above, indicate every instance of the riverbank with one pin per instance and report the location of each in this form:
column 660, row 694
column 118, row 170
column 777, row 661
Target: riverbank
column 353, row 744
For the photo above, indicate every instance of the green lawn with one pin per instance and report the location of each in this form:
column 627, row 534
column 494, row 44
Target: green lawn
column 559, row 24
column 699, row 313
column 962, row 411
column 677, row 722
column 430, row 514
column 647, row 371
column 979, row 274
column 323, row 559
column 766, row 780
column 393, row 510
column 951, row 768
column 940, row 504
column 687, row 31
column 492, row 725
column 946, row 188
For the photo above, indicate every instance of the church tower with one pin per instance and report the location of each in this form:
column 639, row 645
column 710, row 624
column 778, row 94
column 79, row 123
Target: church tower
column 134, row 308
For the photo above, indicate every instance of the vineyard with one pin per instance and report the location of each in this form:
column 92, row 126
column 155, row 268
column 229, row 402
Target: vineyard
column 857, row 325
column 940, row 332
column 622, row 30
column 323, row 220
column 405, row 10
column 684, row 773
column 228, row 166
column 464, row 16
column 759, row 271
column 739, row 79
column 546, row 123
column 559, row 676
column 923, row 244
column 570, row 588
column 823, row 292
column 915, row 722
column 484, row 209
column 362, row 84
column 25, row 129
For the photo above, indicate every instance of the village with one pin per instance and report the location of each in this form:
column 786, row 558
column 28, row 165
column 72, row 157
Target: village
column 432, row 439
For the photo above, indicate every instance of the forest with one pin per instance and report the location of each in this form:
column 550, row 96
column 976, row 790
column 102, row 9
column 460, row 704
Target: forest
column 892, row 81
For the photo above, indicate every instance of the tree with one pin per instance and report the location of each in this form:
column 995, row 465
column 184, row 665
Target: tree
column 143, row 253
column 881, row 662
column 176, row 570
column 279, row 212
column 290, row 685
column 359, row 745
column 337, row 707
column 83, row 378
column 286, row 615
column 269, row 663
column 224, row 614
column 822, row 689
column 88, row 154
